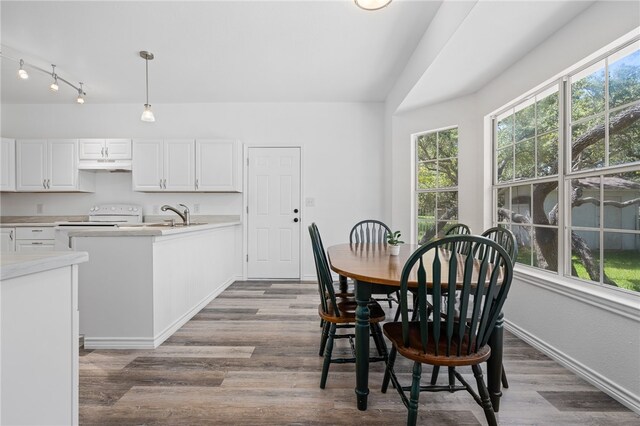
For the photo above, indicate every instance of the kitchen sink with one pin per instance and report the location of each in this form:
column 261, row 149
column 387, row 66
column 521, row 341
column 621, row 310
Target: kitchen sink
column 159, row 225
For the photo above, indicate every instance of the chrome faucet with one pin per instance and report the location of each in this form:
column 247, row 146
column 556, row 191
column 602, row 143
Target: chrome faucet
column 185, row 216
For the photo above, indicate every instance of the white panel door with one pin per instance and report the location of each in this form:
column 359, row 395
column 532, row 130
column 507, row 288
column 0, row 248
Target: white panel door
column 274, row 213
column 8, row 165
column 31, row 165
column 148, row 165
column 91, row 149
column 218, row 165
column 62, row 165
column 117, row 149
column 179, row 161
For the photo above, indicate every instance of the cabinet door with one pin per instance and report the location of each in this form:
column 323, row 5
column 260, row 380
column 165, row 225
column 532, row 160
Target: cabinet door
column 179, row 160
column 63, row 165
column 8, row 165
column 118, row 149
column 218, row 165
column 148, row 165
column 91, row 149
column 34, row 245
column 7, row 239
column 31, row 165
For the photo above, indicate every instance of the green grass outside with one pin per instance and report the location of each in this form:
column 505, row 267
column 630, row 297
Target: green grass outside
column 622, row 266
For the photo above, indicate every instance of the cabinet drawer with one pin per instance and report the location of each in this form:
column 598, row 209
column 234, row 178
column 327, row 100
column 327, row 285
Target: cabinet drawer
column 35, row 233
column 34, row 245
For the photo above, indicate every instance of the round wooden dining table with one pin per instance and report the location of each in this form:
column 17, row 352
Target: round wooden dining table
column 371, row 265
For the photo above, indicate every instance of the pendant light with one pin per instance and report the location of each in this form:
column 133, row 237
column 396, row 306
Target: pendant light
column 54, row 86
column 22, row 73
column 80, row 98
column 147, row 114
column 372, row 4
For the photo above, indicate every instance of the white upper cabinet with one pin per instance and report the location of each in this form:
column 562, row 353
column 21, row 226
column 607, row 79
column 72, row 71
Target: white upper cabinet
column 104, row 149
column 163, row 165
column 8, row 165
column 218, row 165
column 50, row 165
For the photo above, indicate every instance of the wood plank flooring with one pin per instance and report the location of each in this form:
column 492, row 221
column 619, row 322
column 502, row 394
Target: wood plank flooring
column 251, row 358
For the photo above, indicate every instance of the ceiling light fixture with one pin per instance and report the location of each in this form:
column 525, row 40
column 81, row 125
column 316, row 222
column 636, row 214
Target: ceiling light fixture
column 80, row 98
column 372, row 4
column 147, row 114
column 22, row 73
column 54, row 86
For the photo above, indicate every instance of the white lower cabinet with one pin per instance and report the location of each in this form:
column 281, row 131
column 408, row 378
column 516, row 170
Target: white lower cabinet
column 36, row 238
column 7, row 239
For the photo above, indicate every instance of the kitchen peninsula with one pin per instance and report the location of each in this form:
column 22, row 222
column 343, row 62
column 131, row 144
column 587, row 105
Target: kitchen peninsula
column 144, row 281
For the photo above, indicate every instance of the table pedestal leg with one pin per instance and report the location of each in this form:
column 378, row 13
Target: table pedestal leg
column 494, row 364
column 363, row 295
column 344, row 287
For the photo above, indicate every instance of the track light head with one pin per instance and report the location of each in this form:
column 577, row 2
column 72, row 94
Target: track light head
column 80, row 98
column 22, row 73
column 54, row 86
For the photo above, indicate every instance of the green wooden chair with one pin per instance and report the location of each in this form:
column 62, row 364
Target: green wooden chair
column 375, row 231
column 447, row 341
column 459, row 229
column 340, row 313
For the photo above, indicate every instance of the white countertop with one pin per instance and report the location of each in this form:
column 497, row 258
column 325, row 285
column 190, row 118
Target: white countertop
column 13, row 265
column 147, row 230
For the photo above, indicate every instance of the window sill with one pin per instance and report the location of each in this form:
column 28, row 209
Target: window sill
column 617, row 302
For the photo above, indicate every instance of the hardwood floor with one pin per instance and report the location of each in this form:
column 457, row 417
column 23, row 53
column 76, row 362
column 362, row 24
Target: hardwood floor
column 251, row 358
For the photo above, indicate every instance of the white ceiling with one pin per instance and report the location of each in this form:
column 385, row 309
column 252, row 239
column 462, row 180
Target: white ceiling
column 211, row 51
column 263, row 50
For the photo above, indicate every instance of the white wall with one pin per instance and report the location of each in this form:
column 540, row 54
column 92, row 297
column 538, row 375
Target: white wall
column 341, row 142
column 579, row 329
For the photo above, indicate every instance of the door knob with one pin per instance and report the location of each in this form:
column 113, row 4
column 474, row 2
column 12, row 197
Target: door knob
column 295, row 210
column 296, row 219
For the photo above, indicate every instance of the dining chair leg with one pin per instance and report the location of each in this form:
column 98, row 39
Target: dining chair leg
column 452, row 378
column 323, row 338
column 415, row 394
column 327, row 356
column 434, row 374
column 484, row 396
column 391, row 359
column 505, row 383
column 378, row 339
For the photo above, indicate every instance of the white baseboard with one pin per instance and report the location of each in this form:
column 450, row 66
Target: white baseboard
column 618, row 393
column 152, row 343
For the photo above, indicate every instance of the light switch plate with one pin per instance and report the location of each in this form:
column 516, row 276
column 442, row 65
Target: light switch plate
column 39, row 209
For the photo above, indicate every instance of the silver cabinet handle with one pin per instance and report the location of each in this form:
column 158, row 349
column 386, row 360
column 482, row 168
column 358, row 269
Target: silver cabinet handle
column 44, row 183
column 48, row 183
column 102, row 152
column 196, row 183
column 37, row 243
column 160, row 183
column 165, row 184
column 106, row 152
column 36, row 230
column 11, row 235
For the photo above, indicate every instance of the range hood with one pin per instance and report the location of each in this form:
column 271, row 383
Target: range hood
column 108, row 165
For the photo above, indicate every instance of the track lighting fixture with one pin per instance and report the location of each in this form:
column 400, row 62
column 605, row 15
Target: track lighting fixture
column 80, row 98
column 22, row 73
column 147, row 114
column 54, row 86
column 372, row 4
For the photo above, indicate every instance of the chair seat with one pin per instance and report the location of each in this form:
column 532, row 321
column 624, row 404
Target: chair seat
column 347, row 308
column 393, row 331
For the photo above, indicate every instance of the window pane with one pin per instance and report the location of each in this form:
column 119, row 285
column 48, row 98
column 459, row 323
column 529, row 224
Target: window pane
column 546, row 254
column 525, row 159
column 624, row 76
column 548, row 194
column 547, row 113
column 447, row 209
column 426, row 219
column 622, row 201
column 427, row 147
column 523, row 239
column 591, row 135
column 585, row 210
column 585, row 255
column 447, row 173
column 505, row 131
column 503, row 204
column 505, row 164
column 521, row 203
column 427, row 173
column 622, row 260
column 525, row 122
column 624, row 135
column 548, row 154
column 587, row 93
column 448, row 143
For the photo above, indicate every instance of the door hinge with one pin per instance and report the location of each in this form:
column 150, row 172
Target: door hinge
column 247, row 258
column 247, row 161
column 247, row 209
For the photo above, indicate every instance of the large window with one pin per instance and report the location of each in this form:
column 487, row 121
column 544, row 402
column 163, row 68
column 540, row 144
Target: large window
column 567, row 172
column 436, row 182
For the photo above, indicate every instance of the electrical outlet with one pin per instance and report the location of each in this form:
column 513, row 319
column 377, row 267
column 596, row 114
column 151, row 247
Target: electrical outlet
column 39, row 208
column 156, row 209
column 196, row 208
column 310, row 202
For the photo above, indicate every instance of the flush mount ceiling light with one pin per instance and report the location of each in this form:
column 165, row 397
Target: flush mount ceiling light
column 54, row 87
column 372, row 4
column 147, row 114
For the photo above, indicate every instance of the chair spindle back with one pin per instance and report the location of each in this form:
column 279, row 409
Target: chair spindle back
column 369, row 231
column 325, row 281
column 459, row 229
column 505, row 238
